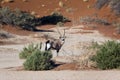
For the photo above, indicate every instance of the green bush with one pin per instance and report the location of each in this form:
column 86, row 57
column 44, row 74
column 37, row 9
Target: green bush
column 27, row 51
column 108, row 55
column 27, row 21
column 17, row 18
column 6, row 15
column 39, row 61
column 22, row 18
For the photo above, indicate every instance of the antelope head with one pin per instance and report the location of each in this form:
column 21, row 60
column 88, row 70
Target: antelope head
column 62, row 37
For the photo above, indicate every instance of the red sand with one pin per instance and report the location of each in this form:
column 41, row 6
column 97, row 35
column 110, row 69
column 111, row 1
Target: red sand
column 78, row 7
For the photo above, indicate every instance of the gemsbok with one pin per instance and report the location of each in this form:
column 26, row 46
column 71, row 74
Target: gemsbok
column 55, row 44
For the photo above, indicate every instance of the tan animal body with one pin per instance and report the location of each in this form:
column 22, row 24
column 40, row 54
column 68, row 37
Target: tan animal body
column 55, row 44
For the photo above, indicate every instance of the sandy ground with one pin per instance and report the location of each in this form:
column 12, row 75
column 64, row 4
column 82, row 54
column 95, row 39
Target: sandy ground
column 76, row 39
column 59, row 75
column 9, row 57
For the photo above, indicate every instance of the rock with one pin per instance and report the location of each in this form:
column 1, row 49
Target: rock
column 85, row 0
column 8, row 1
column 38, row 16
column 88, row 6
column 43, row 5
column 61, row 4
column 33, row 13
column 69, row 10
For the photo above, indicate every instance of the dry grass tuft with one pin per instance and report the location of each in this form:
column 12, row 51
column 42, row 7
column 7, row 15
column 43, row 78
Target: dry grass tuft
column 84, row 61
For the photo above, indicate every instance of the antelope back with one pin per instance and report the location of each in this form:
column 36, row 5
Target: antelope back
column 56, row 43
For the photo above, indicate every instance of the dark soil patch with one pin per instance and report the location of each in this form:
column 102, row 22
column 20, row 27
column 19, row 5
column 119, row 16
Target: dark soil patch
column 6, row 43
column 67, row 66
column 59, row 67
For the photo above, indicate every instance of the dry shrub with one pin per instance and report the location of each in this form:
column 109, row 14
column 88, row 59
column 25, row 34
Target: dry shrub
column 84, row 61
column 4, row 35
column 118, row 28
column 28, row 21
column 100, row 3
column 114, row 4
column 89, row 20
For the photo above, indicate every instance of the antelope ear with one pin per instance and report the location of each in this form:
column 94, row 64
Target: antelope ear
column 60, row 37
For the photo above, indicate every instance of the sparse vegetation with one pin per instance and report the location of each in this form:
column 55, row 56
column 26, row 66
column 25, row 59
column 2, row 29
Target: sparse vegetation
column 4, row 35
column 100, row 3
column 117, row 25
column 89, row 20
column 94, row 45
column 17, row 18
column 35, row 58
column 27, row 51
column 60, row 24
column 39, row 61
column 108, row 55
column 85, row 61
column 115, row 5
column 27, row 21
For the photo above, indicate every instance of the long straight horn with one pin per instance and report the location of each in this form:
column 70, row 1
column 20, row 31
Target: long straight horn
column 59, row 32
column 64, row 33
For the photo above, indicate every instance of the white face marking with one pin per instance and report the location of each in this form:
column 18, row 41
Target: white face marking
column 62, row 40
column 48, row 46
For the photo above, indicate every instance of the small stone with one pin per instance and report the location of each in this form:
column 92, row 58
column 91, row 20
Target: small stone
column 61, row 4
column 38, row 16
column 25, row 0
column 8, row 1
column 33, row 13
column 43, row 5
column 85, row 0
